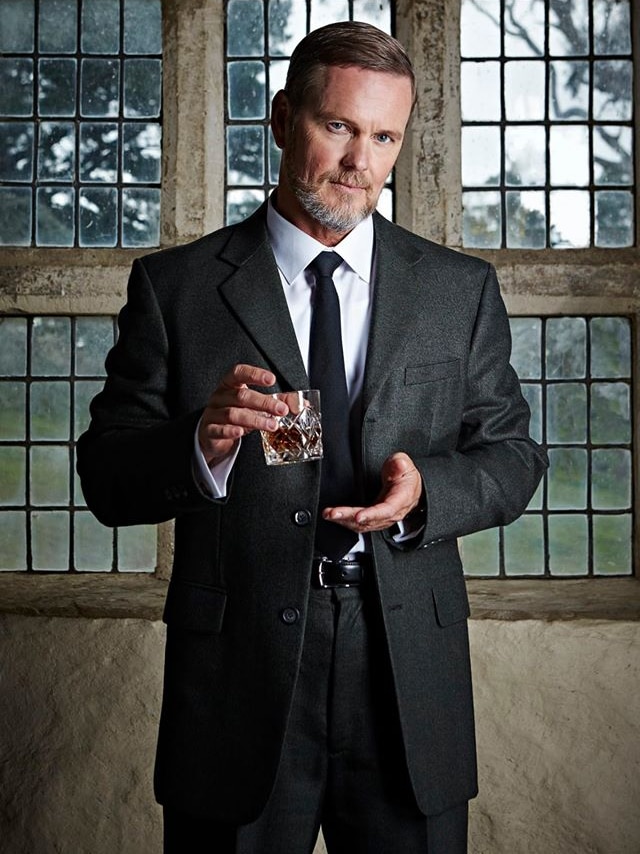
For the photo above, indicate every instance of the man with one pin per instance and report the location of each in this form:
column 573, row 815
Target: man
column 303, row 692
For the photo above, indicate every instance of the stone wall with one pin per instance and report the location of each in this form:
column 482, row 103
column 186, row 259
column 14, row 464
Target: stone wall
column 558, row 721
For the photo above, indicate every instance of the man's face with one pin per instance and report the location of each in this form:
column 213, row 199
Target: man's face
column 339, row 150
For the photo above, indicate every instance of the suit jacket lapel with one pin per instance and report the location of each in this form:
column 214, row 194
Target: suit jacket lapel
column 399, row 297
column 254, row 293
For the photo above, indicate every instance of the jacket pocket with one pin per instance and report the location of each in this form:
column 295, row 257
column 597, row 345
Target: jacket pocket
column 416, row 374
column 194, row 607
column 450, row 600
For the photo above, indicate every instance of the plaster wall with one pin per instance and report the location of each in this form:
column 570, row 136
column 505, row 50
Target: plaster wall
column 558, row 720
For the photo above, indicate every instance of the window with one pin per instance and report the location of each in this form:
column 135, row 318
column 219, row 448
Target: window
column 80, row 133
column 261, row 35
column 50, row 368
column 576, row 375
column 547, row 135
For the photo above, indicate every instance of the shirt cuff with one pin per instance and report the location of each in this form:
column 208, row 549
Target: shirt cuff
column 212, row 480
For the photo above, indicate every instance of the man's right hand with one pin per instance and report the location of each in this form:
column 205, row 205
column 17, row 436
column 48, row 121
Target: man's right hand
column 234, row 409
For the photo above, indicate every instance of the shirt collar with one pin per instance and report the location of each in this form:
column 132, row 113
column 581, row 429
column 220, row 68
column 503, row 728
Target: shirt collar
column 294, row 250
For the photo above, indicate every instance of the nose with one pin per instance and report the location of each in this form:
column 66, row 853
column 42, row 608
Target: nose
column 357, row 154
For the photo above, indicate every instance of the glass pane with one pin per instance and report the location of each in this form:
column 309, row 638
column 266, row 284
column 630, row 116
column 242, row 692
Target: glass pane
column 524, row 84
column 54, row 216
column 140, row 217
column 141, row 153
column 569, row 28
column 92, row 544
column 49, row 475
column 385, row 204
column 245, row 155
column 525, row 150
column 100, row 87
column 375, row 12
column 480, row 28
column 481, row 553
column 137, row 548
column 245, row 28
column 100, row 26
column 614, row 218
column 94, row 339
column 13, row 480
column 16, row 87
column 481, row 219
column 246, row 95
column 241, row 203
column 13, row 541
column 611, row 26
column 51, row 346
column 50, row 412
column 567, row 479
column 287, row 26
column 481, row 156
column 566, row 412
column 537, row 502
column 480, row 91
column 566, row 347
column 611, row 479
column 13, row 346
column 277, row 76
column 610, row 347
column 532, row 393
column 569, row 90
column 274, row 160
column 142, row 88
column 84, row 392
column 12, row 411
column 568, row 545
column 56, row 151
column 612, row 545
column 524, row 26
column 526, row 348
column 16, row 151
column 99, row 152
column 526, row 220
column 524, row 546
column 613, row 84
column 98, row 216
column 610, row 413
column 612, row 154
column 328, row 12
column 57, row 87
column 569, row 155
column 58, row 26
column 50, row 540
column 142, row 26
column 15, row 216
column 570, row 218
column 16, row 32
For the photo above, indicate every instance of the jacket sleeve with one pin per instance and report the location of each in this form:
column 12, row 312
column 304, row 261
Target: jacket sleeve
column 135, row 460
column 491, row 475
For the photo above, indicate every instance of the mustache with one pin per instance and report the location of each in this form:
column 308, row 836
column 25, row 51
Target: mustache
column 351, row 179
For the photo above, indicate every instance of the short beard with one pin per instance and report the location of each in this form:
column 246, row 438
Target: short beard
column 339, row 218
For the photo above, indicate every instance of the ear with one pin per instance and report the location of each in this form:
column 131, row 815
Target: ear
column 280, row 113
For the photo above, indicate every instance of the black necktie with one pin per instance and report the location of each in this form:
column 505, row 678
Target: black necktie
column 326, row 372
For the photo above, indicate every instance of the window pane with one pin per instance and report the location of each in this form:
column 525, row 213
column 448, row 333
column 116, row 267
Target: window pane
column 50, row 410
column 142, row 88
column 56, row 151
column 99, row 152
column 375, row 12
column 137, row 549
column 569, row 155
column 480, row 28
column 610, row 347
column 567, row 413
column 525, row 155
column 287, row 26
column 13, row 480
column 92, row 544
column 94, row 338
column 567, row 479
column 84, row 392
column 241, row 203
column 524, row 28
column 610, row 413
column 611, row 26
column 614, row 218
column 570, row 218
column 481, row 219
column 569, row 90
column 611, row 486
column 526, row 346
column 524, row 546
column 100, row 26
column 568, row 541
column 245, row 26
column 15, row 216
column 245, row 155
column 566, row 347
column 12, row 411
column 481, row 156
column 51, row 346
column 480, row 91
column 16, row 151
column 532, row 393
column 613, row 90
column 141, row 153
column 480, row 553
column 57, row 87
column 612, row 545
column 16, row 87
column 524, row 90
column 612, row 155
column 569, row 28
column 328, row 11
column 50, row 540
column 99, row 216
column 13, row 541
column 16, row 32
column 49, row 475
column 58, row 26
column 142, row 26
column 526, row 219
column 100, row 88
column 246, row 90
column 13, row 346
column 140, row 217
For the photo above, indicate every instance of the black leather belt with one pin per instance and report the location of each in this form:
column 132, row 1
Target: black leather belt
column 348, row 572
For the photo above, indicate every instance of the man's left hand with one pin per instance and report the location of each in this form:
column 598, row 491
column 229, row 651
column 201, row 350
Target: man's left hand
column 400, row 494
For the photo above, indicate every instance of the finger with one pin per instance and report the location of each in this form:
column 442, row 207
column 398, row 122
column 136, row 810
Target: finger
column 242, row 374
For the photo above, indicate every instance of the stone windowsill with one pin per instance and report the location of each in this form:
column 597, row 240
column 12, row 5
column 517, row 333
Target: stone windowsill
column 142, row 597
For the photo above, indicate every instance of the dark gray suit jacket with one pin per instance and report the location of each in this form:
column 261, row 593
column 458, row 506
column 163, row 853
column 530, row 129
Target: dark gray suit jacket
column 438, row 386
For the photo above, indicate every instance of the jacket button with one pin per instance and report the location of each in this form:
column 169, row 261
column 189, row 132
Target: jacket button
column 302, row 518
column 290, row 616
